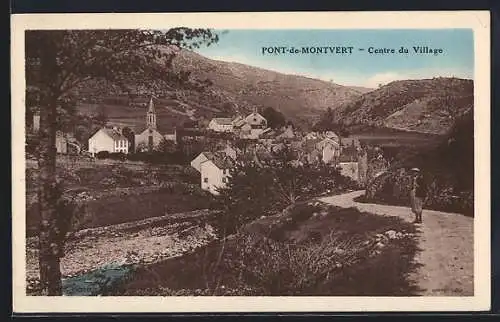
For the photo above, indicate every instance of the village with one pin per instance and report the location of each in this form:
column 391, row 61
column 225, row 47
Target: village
column 154, row 169
column 223, row 144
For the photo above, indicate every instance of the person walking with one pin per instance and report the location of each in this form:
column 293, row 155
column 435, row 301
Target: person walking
column 417, row 194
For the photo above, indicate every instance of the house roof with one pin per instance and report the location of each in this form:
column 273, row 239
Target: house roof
column 328, row 140
column 150, row 129
column 331, row 135
column 268, row 134
column 221, row 160
column 348, row 158
column 255, row 118
column 350, row 141
column 115, row 135
column 223, row 120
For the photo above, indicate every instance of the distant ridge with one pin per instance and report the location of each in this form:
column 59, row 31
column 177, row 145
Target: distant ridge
column 426, row 105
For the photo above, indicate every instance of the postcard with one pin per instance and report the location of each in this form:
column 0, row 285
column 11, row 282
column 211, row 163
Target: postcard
column 251, row 162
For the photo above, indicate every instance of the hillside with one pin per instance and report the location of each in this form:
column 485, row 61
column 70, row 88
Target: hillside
column 448, row 169
column 428, row 105
column 224, row 88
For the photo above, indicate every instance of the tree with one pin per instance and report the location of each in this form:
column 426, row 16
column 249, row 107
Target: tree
column 329, row 122
column 57, row 63
column 274, row 118
column 129, row 134
column 256, row 189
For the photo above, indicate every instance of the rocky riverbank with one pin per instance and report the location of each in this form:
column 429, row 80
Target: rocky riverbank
column 142, row 242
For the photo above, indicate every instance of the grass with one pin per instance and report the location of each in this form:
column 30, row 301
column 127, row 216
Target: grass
column 394, row 137
column 309, row 249
column 121, row 194
column 135, row 117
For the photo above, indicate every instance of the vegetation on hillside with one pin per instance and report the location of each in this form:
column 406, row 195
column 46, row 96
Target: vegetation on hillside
column 448, row 171
column 256, row 190
column 217, row 88
column 428, row 105
column 307, row 249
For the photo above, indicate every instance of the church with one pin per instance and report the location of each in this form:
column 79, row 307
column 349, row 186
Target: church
column 149, row 139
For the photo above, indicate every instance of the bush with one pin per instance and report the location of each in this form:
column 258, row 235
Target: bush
column 117, row 156
column 394, row 188
column 102, row 155
column 341, row 259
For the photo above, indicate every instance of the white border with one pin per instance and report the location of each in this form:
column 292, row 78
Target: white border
column 479, row 21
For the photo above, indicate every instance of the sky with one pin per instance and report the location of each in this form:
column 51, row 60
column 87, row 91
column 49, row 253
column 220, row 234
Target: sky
column 360, row 68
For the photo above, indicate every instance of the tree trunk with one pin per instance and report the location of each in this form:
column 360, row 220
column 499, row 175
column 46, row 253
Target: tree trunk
column 49, row 256
column 49, row 237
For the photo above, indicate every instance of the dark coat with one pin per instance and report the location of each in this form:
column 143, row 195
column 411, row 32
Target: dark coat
column 421, row 188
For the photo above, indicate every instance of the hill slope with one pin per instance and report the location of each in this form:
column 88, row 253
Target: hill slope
column 428, row 105
column 228, row 88
column 448, row 169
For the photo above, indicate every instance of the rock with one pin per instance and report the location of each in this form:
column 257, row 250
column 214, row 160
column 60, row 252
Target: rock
column 391, row 234
column 339, row 251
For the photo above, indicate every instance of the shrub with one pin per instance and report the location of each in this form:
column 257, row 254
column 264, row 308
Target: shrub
column 117, row 156
column 102, row 155
column 331, row 254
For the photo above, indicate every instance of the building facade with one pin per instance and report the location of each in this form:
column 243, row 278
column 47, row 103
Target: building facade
column 150, row 138
column 107, row 139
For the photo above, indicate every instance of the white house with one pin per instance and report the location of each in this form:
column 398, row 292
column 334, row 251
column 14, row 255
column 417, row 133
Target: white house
column 215, row 172
column 330, row 150
column 107, row 139
column 221, row 124
column 350, row 169
column 349, row 165
column 257, row 123
column 200, row 158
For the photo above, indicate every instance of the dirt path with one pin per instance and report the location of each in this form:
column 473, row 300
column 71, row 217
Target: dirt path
column 446, row 242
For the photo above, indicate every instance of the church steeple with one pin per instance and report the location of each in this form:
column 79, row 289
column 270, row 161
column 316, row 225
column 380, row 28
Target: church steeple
column 151, row 115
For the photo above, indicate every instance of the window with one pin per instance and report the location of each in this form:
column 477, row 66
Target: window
column 205, row 180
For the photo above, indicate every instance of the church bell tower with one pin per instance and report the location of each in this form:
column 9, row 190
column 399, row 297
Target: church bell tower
column 151, row 115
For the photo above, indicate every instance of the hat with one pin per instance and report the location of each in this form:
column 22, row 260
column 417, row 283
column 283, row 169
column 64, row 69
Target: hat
column 415, row 169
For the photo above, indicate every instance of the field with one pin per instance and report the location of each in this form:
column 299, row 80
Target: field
column 118, row 192
column 135, row 117
column 387, row 137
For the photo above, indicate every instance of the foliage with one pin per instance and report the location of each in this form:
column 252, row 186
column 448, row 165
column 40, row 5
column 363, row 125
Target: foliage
column 328, row 122
column 102, row 155
column 256, row 190
column 329, row 251
column 448, row 171
column 57, row 62
column 275, row 119
column 429, row 105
